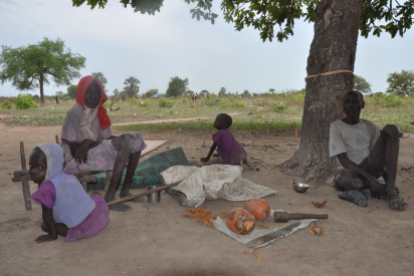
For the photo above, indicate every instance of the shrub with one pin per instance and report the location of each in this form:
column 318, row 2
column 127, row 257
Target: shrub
column 6, row 105
column 163, row 102
column 146, row 102
column 278, row 106
column 24, row 102
column 393, row 100
column 132, row 100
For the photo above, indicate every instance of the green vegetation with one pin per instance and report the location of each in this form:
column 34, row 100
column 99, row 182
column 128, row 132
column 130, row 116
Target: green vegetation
column 361, row 85
column 35, row 65
column 401, row 84
column 247, row 116
column 163, row 102
column 24, row 102
column 176, row 87
column 6, row 105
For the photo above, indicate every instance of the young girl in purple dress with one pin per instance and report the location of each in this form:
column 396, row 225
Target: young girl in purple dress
column 230, row 151
column 67, row 210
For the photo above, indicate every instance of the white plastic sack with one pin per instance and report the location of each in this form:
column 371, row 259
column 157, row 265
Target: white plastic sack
column 214, row 182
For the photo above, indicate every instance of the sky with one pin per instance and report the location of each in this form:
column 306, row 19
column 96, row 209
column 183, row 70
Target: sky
column 154, row 48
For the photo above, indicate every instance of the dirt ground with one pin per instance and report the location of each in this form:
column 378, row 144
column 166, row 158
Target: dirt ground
column 159, row 241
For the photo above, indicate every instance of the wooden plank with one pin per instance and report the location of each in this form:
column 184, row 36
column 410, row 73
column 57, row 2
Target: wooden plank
column 25, row 183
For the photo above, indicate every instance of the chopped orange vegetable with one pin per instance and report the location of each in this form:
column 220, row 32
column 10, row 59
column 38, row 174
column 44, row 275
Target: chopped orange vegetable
column 203, row 216
column 224, row 214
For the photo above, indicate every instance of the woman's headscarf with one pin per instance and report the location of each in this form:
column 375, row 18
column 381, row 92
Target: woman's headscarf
column 84, row 83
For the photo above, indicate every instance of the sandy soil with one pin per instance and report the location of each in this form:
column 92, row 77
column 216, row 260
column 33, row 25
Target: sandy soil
column 159, row 241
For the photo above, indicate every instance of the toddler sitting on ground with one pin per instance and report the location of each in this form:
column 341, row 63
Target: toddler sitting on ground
column 230, row 151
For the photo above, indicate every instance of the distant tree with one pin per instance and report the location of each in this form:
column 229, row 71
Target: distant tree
column 33, row 66
column 72, row 91
column 132, row 89
column 116, row 92
column 361, row 85
column 59, row 93
column 151, row 92
column 401, row 84
column 272, row 91
column 123, row 95
column 188, row 93
column 222, row 91
column 176, row 87
column 100, row 76
column 203, row 92
column 246, row 93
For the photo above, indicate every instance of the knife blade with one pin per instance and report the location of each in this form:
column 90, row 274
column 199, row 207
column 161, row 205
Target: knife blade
column 272, row 236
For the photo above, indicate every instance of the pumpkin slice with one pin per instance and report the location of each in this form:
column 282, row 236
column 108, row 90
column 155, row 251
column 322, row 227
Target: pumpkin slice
column 259, row 208
column 240, row 221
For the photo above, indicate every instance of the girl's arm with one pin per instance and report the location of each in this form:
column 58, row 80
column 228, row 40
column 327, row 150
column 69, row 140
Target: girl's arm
column 213, row 147
column 47, row 216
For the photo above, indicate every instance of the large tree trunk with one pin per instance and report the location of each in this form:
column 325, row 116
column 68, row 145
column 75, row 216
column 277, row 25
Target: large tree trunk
column 333, row 48
column 42, row 97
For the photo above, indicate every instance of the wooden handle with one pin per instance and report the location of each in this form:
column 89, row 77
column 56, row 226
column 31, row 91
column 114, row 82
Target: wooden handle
column 297, row 216
column 128, row 198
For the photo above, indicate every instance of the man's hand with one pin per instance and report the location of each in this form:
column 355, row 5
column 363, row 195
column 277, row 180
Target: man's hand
column 81, row 154
column 204, row 160
column 376, row 189
column 45, row 238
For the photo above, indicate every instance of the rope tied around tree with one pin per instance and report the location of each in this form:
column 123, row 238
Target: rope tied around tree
column 328, row 73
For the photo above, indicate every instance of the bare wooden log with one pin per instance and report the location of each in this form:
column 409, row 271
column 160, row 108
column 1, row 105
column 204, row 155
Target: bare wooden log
column 21, row 173
column 25, row 183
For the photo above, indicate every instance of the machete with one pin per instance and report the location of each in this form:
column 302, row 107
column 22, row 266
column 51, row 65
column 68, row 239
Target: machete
column 272, row 236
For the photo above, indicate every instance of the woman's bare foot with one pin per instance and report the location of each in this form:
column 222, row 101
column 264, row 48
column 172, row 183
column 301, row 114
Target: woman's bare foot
column 118, row 207
column 139, row 199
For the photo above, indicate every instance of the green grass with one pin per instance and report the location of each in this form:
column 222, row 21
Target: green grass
column 254, row 114
column 207, row 126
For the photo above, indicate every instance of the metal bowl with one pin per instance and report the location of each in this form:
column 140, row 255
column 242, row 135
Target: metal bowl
column 183, row 201
column 300, row 187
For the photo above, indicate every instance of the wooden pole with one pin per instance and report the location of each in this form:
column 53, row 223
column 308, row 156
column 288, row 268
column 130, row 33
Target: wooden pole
column 25, row 183
column 57, row 139
column 125, row 199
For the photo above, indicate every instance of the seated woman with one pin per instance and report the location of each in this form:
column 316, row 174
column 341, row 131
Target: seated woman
column 89, row 145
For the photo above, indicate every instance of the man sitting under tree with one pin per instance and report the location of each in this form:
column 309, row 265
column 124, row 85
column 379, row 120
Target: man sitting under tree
column 364, row 153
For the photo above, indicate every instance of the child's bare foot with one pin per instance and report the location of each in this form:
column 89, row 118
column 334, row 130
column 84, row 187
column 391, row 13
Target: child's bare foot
column 139, row 199
column 250, row 165
column 118, row 207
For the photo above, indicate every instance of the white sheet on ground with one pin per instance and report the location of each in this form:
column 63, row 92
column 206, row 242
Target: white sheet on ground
column 214, row 182
column 262, row 228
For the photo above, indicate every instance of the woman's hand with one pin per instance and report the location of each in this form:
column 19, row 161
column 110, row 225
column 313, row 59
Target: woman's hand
column 81, row 154
column 45, row 238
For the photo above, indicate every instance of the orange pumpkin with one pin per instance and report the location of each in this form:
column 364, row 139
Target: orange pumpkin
column 240, row 221
column 259, row 208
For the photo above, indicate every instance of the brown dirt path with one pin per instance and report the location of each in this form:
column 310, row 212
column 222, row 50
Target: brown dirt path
column 159, row 241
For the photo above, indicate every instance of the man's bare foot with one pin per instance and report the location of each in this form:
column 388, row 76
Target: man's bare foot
column 396, row 203
column 139, row 199
column 120, row 207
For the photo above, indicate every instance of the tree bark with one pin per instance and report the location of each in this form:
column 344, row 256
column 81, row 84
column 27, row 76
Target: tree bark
column 333, row 48
column 42, row 97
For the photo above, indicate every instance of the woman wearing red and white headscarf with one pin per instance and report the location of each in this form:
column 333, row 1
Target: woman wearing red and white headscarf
column 89, row 145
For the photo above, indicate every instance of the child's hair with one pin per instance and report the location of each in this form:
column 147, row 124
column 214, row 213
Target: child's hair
column 225, row 120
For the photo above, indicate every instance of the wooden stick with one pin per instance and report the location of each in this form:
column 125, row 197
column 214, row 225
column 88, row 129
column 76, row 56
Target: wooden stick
column 25, row 183
column 57, row 139
column 128, row 198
